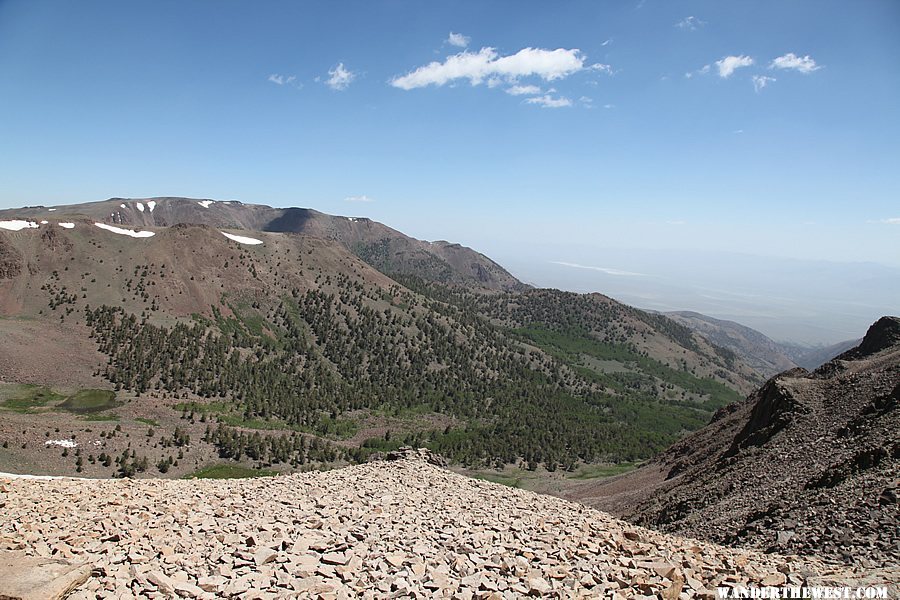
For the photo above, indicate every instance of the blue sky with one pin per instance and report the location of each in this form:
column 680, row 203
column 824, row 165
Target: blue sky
column 767, row 128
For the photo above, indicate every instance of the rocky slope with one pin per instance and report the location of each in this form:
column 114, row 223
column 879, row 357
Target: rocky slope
column 381, row 530
column 810, row 464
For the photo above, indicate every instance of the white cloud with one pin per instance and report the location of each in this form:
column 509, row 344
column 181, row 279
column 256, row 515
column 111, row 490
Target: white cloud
column 487, row 63
column 587, row 101
column 548, row 101
column 523, row 90
column 891, row 221
column 606, row 270
column 690, row 23
column 701, row 71
column 804, row 64
column 281, row 79
column 340, row 78
column 730, row 64
column 607, row 106
column 738, row 131
column 761, row 81
column 362, row 198
column 607, row 42
column 459, row 40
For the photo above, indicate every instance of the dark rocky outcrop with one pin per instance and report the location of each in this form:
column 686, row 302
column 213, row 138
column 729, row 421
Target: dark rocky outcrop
column 808, row 464
column 10, row 259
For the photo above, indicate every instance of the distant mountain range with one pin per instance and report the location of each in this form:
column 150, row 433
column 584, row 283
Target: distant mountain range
column 757, row 350
column 386, row 248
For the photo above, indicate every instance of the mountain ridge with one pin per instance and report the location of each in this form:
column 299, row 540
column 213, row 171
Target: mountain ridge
column 369, row 239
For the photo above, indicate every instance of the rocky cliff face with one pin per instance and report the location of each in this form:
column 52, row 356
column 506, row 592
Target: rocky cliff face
column 403, row 528
column 810, row 464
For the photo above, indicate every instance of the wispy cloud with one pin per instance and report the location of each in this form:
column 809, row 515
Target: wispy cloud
column 606, row 42
column 677, row 222
column 701, row 71
column 804, row 64
column 362, row 198
column 606, row 270
column 282, row 79
column 690, row 23
column 340, row 77
column 761, row 81
column 730, row 64
column 459, row 40
column 523, row 90
column 548, row 101
column 891, row 221
column 487, row 63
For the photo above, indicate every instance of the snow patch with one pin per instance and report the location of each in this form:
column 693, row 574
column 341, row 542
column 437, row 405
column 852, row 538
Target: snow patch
column 205, row 203
column 140, row 207
column 151, row 205
column 17, row 476
column 241, row 239
column 44, row 222
column 67, row 225
column 62, row 443
column 17, row 225
column 123, row 206
column 51, row 209
column 121, row 231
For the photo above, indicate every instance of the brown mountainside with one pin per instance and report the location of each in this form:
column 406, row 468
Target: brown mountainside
column 278, row 333
column 385, row 248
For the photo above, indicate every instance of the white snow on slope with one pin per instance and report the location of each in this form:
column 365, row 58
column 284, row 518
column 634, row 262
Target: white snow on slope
column 44, row 222
column 17, row 225
column 140, row 207
column 123, row 206
column 67, row 225
column 241, row 239
column 17, row 476
column 62, row 443
column 205, row 203
column 121, row 231
column 51, row 209
column 151, row 205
